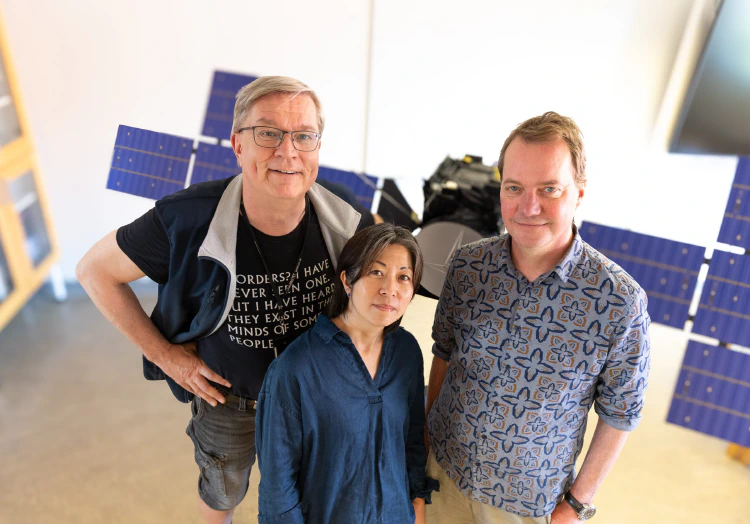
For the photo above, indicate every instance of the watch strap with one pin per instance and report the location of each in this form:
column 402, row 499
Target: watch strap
column 570, row 499
column 584, row 511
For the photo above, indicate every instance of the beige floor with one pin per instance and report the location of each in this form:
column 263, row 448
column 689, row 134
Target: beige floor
column 84, row 439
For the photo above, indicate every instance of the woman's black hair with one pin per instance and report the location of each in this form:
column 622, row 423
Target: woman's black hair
column 362, row 250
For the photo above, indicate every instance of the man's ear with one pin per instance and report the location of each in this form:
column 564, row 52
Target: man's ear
column 236, row 147
column 581, row 190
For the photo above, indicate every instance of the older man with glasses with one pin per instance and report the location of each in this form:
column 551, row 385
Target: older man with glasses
column 244, row 266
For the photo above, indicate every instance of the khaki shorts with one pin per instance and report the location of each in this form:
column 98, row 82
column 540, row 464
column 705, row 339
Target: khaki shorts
column 450, row 506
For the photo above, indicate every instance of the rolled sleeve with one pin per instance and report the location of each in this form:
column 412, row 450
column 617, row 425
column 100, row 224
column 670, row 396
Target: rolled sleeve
column 443, row 328
column 622, row 384
column 278, row 441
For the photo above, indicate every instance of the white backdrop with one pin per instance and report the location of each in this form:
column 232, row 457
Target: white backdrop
column 446, row 79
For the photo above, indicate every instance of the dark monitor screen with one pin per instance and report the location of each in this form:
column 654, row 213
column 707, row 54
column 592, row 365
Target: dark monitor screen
column 715, row 117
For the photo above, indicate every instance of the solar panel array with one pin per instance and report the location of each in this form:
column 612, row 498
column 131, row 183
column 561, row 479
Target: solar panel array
column 149, row 164
column 735, row 228
column 213, row 162
column 363, row 190
column 725, row 302
column 220, row 109
column 713, row 393
column 667, row 270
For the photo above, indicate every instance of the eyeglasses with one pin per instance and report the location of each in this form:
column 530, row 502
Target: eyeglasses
column 271, row 137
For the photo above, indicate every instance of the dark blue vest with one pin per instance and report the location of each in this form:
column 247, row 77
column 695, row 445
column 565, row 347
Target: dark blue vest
column 193, row 299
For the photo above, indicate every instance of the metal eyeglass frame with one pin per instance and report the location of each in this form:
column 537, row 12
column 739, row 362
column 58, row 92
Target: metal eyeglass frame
column 283, row 134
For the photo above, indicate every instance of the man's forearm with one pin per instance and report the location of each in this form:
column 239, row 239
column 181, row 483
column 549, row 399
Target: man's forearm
column 605, row 448
column 120, row 306
column 437, row 375
column 104, row 273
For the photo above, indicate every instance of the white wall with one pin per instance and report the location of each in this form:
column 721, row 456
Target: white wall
column 86, row 66
column 456, row 77
column 447, row 78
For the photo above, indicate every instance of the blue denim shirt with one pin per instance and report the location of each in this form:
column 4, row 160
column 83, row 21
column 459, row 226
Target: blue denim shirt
column 527, row 360
column 334, row 445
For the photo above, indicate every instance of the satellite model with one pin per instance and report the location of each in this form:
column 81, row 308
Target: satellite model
column 462, row 205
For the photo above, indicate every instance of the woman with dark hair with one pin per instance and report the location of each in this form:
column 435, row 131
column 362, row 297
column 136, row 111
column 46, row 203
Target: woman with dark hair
column 340, row 418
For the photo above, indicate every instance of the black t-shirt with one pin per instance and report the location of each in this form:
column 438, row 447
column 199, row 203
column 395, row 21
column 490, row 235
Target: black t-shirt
column 255, row 330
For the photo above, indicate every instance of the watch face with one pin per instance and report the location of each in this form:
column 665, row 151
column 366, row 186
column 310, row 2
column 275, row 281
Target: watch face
column 587, row 512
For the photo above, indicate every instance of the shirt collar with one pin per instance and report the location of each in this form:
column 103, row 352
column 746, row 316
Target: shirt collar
column 325, row 328
column 564, row 268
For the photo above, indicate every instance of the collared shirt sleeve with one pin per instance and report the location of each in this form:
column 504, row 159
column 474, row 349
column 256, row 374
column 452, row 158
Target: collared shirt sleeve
column 278, row 443
column 443, row 329
column 622, row 383
column 420, row 485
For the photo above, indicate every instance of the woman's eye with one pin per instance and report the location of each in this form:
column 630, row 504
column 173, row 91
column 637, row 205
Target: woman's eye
column 405, row 277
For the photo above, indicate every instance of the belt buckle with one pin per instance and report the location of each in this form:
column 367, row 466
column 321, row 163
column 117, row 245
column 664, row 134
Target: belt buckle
column 247, row 403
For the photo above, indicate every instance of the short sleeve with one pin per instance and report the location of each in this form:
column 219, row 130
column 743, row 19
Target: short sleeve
column 146, row 243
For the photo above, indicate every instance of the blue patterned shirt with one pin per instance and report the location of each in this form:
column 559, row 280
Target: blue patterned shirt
column 527, row 360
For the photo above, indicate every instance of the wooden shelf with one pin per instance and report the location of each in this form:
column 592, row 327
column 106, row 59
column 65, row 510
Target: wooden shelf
column 27, row 240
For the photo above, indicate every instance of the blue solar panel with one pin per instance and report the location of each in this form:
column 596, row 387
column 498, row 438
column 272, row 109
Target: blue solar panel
column 724, row 308
column 666, row 270
column 220, row 110
column 735, row 228
column 362, row 190
column 149, row 164
column 213, row 162
column 712, row 395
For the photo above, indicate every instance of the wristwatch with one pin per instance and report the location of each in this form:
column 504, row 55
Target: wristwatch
column 585, row 511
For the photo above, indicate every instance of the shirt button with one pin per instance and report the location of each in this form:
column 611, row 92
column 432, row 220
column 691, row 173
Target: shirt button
column 484, row 437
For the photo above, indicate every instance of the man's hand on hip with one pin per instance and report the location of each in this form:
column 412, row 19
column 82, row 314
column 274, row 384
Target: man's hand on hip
column 183, row 365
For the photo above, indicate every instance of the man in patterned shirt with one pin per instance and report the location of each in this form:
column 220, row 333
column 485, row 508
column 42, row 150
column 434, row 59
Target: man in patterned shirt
column 532, row 329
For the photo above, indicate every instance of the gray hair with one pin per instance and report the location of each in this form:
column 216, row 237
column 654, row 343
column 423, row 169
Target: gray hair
column 267, row 85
